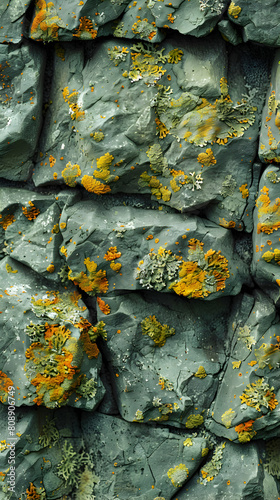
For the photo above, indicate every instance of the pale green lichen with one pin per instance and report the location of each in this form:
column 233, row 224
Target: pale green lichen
column 117, row 54
column 35, row 332
column 139, row 416
column 228, row 417
column 56, row 306
column 158, row 163
column 273, row 177
column 156, row 331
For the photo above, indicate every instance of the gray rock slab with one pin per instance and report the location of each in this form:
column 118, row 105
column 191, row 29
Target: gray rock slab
column 160, row 379
column 21, row 74
column 232, row 481
column 246, row 406
column 265, row 267
column 46, row 350
column 133, row 460
column 134, row 249
column 127, row 119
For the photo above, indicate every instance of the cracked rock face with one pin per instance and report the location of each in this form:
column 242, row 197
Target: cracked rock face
column 139, row 250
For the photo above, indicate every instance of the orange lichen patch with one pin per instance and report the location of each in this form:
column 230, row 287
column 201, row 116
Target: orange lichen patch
column 32, row 493
column 50, row 268
column 227, row 224
column 112, row 254
column 70, row 173
column 46, row 22
column 75, row 110
column 94, row 186
column 206, row 159
column 93, row 283
column 105, row 308
column 103, row 165
column 161, row 128
column 244, row 190
column 268, row 212
column 115, row 266
column 7, row 220
column 171, row 18
column 5, row 383
column 52, row 161
column 201, row 280
column 85, row 31
column 32, row 212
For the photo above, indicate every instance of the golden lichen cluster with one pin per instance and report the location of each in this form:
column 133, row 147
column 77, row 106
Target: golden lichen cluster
column 202, row 276
column 85, row 30
column 71, row 99
column 31, row 212
column 46, row 22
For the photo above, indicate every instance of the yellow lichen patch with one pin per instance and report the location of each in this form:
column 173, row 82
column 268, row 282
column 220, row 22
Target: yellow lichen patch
column 228, row 417
column 174, row 56
column 85, row 31
column 94, row 186
column 259, row 394
column 63, row 250
column 71, row 99
column 112, row 254
column 201, row 280
column 206, row 159
column 179, row 179
column 70, row 173
column 50, row 268
column 234, row 10
column 9, row 269
column 194, row 421
column 188, row 442
column 201, row 373
column 268, row 212
column 178, row 475
column 244, row 190
column 157, row 189
column 94, row 282
column 105, row 308
column 103, row 165
column 156, row 331
column 5, row 384
column 6, row 221
column 31, row 212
